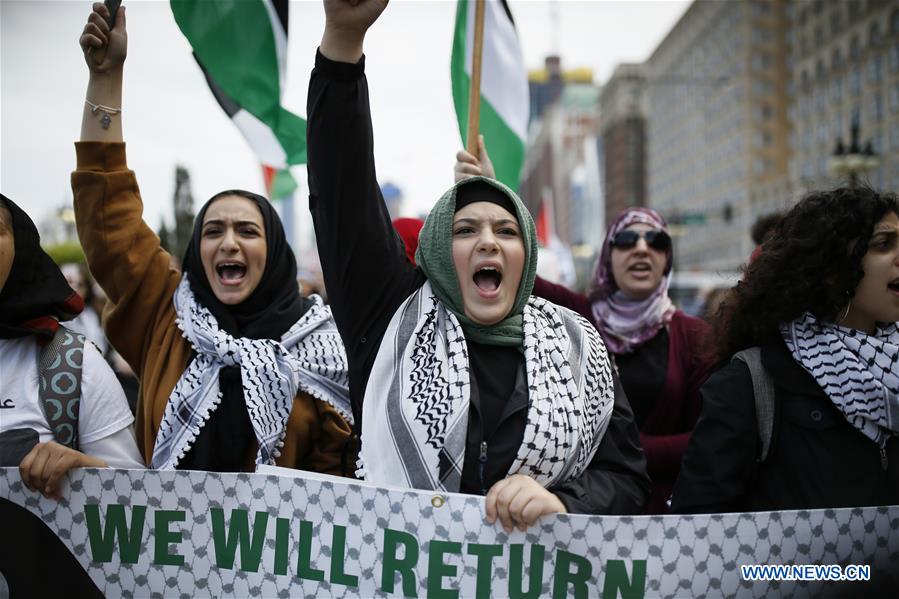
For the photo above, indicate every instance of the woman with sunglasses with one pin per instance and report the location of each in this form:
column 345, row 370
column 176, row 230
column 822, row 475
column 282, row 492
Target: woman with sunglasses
column 820, row 307
column 658, row 349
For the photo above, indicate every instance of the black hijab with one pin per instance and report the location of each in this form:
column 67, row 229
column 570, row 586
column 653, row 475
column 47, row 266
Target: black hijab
column 225, row 442
column 275, row 305
column 36, row 295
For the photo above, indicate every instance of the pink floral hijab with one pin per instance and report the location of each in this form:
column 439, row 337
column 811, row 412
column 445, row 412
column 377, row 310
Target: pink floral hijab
column 624, row 323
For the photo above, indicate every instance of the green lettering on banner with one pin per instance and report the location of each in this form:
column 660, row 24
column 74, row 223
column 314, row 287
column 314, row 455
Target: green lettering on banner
column 164, row 537
column 338, row 552
column 115, row 525
column 304, row 560
column 391, row 565
column 563, row 576
column 282, row 540
column 485, row 554
column 238, row 534
column 616, row 579
column 516, row 572
column 437, row 568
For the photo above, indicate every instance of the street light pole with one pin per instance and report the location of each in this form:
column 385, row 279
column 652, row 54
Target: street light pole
column 854, row 161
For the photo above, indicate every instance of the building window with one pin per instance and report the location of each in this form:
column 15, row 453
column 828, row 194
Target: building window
column 894, row 58
column 855, row 82
column 855, row 48
column 836, row 89
column 875, row 69
column 761, row 9
column 761, row 60
column 877, row 142
column 836, row 20
column 894, row 22
column 854, row 10
column 876, row 107
column 875, row 39
column 894, row 98
column 836, row 60
column 837, row 125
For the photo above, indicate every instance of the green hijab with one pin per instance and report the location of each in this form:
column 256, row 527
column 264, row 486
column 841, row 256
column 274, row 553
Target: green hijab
column 435, row 258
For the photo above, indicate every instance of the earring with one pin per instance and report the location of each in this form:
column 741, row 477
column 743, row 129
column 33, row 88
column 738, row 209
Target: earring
column 845, row 312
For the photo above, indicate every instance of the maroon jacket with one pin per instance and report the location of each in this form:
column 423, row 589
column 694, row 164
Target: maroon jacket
column 668, row 427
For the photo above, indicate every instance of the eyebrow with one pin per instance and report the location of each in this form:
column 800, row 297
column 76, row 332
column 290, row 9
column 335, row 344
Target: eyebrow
column 477, row 221
column 222, row 223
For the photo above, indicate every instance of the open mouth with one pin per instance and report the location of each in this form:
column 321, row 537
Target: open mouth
column 640, row 267
column 488, row 279
column 231, row 272
column 893, row 285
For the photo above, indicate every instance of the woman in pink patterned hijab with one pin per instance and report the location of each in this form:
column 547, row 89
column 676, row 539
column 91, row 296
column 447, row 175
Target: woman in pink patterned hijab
column 659, row 351
column 629, row 291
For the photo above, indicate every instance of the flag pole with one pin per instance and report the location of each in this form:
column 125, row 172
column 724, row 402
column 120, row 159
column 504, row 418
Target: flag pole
column 474, row 93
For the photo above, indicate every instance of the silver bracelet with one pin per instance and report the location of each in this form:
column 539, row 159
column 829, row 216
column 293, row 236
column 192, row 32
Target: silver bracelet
column 107, row 111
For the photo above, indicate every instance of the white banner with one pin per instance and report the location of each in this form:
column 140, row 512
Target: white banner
column 140, row 533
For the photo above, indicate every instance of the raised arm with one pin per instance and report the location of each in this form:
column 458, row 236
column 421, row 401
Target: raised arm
column 123, row 253
column 346, row 23
column 104, row 52
column 363, row 259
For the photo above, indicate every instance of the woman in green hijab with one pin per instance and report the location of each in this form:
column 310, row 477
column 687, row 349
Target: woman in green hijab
column 460, row 379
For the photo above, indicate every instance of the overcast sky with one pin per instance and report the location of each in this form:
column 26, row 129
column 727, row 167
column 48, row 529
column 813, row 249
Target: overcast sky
column 170, row 116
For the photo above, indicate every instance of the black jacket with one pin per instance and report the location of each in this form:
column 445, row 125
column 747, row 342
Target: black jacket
column 368, row 276
column 816, row 460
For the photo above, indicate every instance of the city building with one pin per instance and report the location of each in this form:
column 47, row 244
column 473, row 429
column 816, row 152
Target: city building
column 623, row 106
column 561, row 166
column 718, row 129
column 845, row 71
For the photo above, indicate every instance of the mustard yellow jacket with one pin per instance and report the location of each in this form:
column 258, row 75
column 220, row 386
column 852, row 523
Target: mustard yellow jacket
column 140, row 278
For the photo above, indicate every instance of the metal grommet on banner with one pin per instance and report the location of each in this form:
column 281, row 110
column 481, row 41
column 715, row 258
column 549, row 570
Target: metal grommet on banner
column 438, row 501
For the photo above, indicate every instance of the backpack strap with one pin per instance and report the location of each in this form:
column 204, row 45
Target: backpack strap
column 59, row 373
column 763, row 391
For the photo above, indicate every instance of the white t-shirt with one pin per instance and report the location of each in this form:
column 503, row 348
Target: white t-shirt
column 104, row 419
column 88, row 324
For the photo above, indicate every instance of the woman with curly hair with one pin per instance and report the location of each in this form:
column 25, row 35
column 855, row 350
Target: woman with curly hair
column 821, row 302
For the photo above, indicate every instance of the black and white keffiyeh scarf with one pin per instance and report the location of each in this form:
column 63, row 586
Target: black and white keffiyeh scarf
column 415, row 409
column 857, row 371
column 309, row 357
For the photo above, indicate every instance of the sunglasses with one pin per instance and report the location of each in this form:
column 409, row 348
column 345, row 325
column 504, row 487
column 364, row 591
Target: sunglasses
column 657, row 240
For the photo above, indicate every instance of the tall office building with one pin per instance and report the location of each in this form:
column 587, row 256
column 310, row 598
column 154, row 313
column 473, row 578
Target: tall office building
column 623, row 106
column 560, row 162
column 846, row 69
column 718, row 129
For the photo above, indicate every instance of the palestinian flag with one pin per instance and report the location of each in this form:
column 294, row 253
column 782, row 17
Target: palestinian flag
column 504, row 85
column 241, row 45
